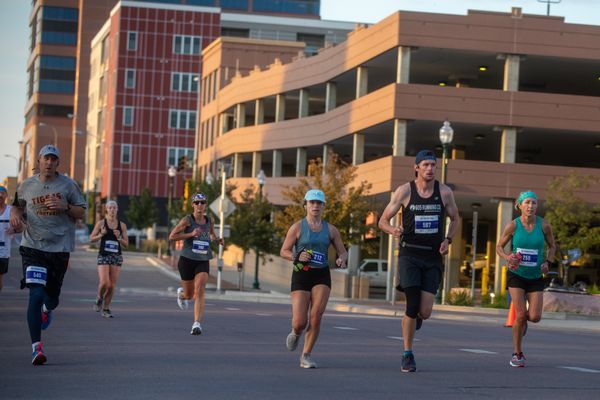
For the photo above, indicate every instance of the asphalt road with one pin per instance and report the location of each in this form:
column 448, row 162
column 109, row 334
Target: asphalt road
column 146, row 351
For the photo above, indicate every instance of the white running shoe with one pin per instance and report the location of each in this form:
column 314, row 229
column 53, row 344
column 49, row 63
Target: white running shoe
column 291, row 342
column 307, row 362
column 184, row 304
column 196, row 329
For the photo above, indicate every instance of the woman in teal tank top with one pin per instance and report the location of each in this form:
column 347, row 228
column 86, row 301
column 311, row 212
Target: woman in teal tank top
column 196, row 231
column 532, row 251
column 306, row 244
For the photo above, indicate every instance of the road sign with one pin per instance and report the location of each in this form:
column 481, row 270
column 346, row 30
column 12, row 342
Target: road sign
column 228, row 207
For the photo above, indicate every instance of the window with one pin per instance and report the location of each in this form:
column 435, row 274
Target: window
column 313, row 42
column 235, row 4
column 235, row 32
column 125, row 154
column 131, row 41
column 186, row 45
column 130, row 78
column 54, row 74
column 175, row 153
column 299, row 7
column 57, row 25
column 127, row 116
column 182, row 119
column 184, row 82
column 370, row 267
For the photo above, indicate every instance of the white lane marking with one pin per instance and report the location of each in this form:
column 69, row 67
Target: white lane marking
column 579, row 369
column 401, row 338
column 264, row 315
column 345, row 328
column 232, row 309
column 478, row 351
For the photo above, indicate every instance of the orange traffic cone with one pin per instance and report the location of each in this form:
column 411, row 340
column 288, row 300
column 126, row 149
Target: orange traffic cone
column 510, row 319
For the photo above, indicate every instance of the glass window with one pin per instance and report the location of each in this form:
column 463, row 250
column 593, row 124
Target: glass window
column 58, row 25
column 192, row 120
column 127, row 116
column 172, row 156
column 183, row 119
column 300, row 7
column 125, row 153
column 131, row 41
column 60, row 13
column 235, row 4
column 203, row 2
column 384, row 267
column 186, row 45
column 175, row 81
column 130, row 78
column 173, row 119
column 194, row 80
column 235, row 32
column 370, row 267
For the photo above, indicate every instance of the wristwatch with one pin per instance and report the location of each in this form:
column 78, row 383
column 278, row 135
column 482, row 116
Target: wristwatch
column 449, row 239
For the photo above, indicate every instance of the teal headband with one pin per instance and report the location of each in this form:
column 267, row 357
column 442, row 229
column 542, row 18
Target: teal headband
column 526, row 195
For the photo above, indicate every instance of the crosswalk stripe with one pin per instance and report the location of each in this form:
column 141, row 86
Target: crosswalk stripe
column 345, row 328
column 579, row 369
column 478, row 351
column 401, row 338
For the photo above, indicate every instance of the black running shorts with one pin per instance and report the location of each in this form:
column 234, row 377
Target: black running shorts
column 528, row 285
column 56, row 265
column 188, row 268
column 424, row 272
column 3, row 266
column 306, row 280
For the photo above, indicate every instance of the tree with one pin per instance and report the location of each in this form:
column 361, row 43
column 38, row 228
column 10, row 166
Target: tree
column 575, row 223
column 142, row 212
column 347, row 204
column 250, row 224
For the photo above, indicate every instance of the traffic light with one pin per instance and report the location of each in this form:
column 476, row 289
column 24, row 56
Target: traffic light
column 182, row 163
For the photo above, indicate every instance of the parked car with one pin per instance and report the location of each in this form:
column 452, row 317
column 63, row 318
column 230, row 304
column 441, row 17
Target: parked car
column 374, row 269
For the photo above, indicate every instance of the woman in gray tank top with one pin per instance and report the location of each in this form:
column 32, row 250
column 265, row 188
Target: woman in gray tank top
column 306, row 245
column 197, row 232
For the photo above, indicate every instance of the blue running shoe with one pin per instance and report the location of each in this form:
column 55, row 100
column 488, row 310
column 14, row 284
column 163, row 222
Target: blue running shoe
column 517, row 360
column 46, row 318
column 408, row 363
column 38, row 357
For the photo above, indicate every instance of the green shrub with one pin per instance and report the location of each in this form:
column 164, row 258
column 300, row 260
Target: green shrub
column 459, row 298
column 500, row 301
column 149, row 246
column 593, row 289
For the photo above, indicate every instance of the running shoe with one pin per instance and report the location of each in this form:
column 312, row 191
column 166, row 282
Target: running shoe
column 38, row 357
column 517, row 360
column 291, row 342
column 306, row 361
column 408, row 363
column 46, row 317
column 106, row 313
column 98, row 305
column 184, row 304
column 196, row 329
column 419, row 322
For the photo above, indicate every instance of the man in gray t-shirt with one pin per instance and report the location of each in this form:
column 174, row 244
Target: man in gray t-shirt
column 51, row 203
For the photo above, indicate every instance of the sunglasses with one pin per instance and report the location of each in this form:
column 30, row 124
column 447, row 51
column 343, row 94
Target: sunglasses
column 199, row 202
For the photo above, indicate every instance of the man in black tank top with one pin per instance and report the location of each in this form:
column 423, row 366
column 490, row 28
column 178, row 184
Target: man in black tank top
column 424, row 203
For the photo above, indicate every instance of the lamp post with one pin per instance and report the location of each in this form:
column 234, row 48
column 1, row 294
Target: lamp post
column 197, row 133
column 221, row 226
column 53, row 129
column 446, row 135
column 261, row 182
column 16, row 160
column 475, row 207
column 172, row 172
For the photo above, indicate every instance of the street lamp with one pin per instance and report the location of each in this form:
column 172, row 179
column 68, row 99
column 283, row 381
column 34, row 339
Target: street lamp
column 16, row 159
column 53, row 129
column 261, row 182
column 446, row 135
column 475, row 207
column 209, row 177
column 172, row 172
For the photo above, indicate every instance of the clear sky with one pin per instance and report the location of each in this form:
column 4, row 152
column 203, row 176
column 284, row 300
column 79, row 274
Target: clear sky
column 14, row 38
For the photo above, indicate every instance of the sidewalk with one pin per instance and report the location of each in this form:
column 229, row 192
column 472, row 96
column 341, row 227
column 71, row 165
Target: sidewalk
column 229, row 291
